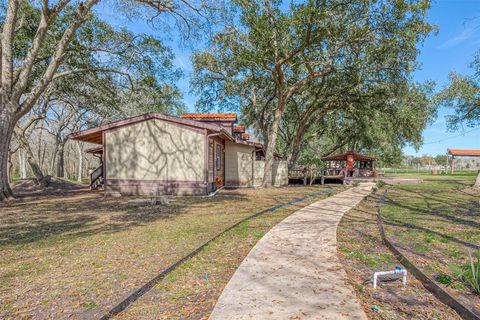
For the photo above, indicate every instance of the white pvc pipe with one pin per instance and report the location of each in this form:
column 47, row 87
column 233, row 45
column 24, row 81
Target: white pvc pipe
column 397, row 270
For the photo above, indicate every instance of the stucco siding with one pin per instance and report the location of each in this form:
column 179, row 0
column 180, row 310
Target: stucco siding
column 238, row 165
column 279, row 173
column 155, row 150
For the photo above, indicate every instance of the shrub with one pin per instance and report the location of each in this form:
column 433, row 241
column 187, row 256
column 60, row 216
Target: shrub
column 469, row 273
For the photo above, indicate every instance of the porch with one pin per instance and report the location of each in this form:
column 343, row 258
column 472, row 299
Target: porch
column 346, row 168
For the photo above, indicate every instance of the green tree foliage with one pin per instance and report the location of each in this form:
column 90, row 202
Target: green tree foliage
column 45, row 44
column 309, row 55
column 462, row 94
column 441, row 160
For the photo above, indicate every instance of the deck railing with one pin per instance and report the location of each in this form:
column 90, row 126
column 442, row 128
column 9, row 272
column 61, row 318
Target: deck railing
column 95, row 177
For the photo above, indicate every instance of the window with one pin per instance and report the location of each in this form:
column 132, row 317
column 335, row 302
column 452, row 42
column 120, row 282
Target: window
column 218, row 157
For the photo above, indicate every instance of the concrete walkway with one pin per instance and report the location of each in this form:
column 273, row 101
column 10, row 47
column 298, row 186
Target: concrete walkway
column 293, row 272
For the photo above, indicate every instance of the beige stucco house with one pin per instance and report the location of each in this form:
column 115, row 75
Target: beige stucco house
column 194, row 154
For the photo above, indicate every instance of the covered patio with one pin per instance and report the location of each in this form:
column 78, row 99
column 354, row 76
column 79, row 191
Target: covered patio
column 349, row 166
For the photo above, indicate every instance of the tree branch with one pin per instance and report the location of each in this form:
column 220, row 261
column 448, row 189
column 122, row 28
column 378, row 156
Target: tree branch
column 7, row 46
column 82, row 13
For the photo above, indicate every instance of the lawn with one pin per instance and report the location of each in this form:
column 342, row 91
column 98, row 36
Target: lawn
column 362, row 253
column 436, row 224
column 78, row 254
column 191, row 291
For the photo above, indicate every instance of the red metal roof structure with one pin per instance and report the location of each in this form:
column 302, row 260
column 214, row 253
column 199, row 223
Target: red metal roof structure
column 464, row 152
column 239, row 129
column 245, row 136
column 343, row 157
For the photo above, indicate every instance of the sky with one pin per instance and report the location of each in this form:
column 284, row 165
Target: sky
column 451, row 49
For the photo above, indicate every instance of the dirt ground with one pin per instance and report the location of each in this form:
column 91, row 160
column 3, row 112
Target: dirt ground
column 75, row 254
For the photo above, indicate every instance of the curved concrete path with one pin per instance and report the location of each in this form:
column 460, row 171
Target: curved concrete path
column 293, row 272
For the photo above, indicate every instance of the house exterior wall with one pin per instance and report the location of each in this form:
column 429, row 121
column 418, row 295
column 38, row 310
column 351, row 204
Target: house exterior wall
column 279, row 173
column 155, row 155
column 238, row 165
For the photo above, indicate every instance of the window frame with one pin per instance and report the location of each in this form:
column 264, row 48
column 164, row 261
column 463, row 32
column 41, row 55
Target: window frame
column 218, row 156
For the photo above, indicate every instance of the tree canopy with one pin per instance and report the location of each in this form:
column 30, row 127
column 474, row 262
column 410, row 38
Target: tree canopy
column 303, row 68
column 46, row 44
column 462, row 94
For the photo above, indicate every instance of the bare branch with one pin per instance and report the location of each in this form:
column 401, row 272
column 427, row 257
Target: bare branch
column 84, row 70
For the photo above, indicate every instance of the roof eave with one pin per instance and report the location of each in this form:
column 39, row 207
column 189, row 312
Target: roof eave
column 153, row 115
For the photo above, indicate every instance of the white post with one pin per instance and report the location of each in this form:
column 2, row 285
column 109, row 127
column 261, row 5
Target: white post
column 397, row 270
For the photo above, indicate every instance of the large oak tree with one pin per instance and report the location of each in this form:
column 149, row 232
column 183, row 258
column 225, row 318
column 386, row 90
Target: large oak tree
column 37, row 39
column 274, row 51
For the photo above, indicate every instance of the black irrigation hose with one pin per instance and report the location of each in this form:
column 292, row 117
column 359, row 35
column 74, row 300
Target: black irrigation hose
column 134, row 296
column 430, row 285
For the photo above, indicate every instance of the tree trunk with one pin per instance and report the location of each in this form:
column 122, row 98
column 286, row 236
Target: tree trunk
column 37, row 171
column 297, row 144
column 7, row 123
column 32, row 162
column 272, row 141
column 42, row 159
column 10, row 168
column 22, row 164
column 80, row 162
column 61, row 161
column 54, row 159
column 477, row 181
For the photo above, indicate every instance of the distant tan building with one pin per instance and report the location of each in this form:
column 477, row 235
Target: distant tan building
column 464, row 159
column 194, row 154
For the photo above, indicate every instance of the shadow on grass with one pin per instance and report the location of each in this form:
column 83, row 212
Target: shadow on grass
column 397, row 223
column 86, row 213
column 435, row 203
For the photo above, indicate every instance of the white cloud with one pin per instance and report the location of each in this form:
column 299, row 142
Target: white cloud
column 466, row 34
column 470, row 32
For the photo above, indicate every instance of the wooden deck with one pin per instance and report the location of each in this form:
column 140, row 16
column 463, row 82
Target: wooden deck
column 311, row 175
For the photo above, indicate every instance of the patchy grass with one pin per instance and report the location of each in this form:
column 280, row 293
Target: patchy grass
column 191, row 291
column 427, row 175
column 78, row 254
column 436, row 224
column 362, row 253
